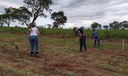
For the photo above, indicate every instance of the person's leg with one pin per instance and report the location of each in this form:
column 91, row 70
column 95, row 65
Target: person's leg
column 36, row 45
column 95, row 40
column 96, row 43
column 99, row 42
column 81, row 41
column 32, row 45
column 84, row 43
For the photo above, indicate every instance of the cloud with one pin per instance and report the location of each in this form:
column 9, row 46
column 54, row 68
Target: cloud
column 84, row 12
column 10, row 3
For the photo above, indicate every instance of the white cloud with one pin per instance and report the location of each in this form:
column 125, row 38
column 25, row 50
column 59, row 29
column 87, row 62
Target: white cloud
column 83, row 12
column 8, row 4
column 102, row 12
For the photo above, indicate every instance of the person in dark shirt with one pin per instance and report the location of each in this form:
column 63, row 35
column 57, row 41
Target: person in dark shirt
column 96, row 38
column 82, row 38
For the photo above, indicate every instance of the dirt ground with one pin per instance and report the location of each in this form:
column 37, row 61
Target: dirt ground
column 58, row 59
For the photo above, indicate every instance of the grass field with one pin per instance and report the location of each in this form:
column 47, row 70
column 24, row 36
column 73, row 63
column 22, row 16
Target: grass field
column 60, row 56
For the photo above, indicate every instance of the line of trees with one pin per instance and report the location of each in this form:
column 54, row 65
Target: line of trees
column 29, row 13
column 113, row 25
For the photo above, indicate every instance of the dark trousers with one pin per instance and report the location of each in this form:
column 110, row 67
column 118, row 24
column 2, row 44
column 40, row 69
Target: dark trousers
column 83, row 43
column 34, row 43
column 96, row 41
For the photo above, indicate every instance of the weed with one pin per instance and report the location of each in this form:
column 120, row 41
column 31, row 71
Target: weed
column 104, row 66
column 19, row 72
column 126, row 68
column 71, row 74
column 75, row 51
column 118, row 58
column 26, row 62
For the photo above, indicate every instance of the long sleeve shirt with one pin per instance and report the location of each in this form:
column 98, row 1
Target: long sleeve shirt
column 80, row 33
column 95, row 34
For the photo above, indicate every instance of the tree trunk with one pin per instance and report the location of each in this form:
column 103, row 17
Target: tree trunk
column 8, row 25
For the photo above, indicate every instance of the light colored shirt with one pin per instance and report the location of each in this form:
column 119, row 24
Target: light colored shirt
column 34, row 31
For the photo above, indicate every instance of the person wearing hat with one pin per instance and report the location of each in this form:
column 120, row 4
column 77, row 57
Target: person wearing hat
column 96, row 38
column 33, row 39
column 82, row 38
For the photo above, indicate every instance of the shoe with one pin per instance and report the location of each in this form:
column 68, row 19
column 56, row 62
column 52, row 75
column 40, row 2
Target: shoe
column 36, row 52
column 37, row 55
column 32, row 54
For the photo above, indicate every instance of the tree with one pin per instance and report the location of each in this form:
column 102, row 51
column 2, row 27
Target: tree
column 32, row 8
column 21, row 14
column 38, row 7
column 59, row 19
column 99, row 26
column 5, row 19
column 124, row 24
column 115, row 25
column 8, row 15
column 49, row 25
column 105, row 27
column 1, row 21
column 95, row 25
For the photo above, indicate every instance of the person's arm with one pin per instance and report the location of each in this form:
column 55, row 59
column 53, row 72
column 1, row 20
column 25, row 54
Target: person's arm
column 76, row 38
column 29, row 31
column 38, row 31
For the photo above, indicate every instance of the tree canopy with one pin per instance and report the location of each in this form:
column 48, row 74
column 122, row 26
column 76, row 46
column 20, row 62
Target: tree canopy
column 124, row 24
column 95, row 25
column 59, row 19
column 28, row 13
column 115, row 25
column 21, row 14
column 38, row 7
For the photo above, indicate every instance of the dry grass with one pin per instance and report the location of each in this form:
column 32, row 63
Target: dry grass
column 59, row 57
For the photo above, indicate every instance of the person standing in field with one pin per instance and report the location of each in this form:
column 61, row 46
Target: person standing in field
column 33, row 39
column 96, row 38
column 82, row 38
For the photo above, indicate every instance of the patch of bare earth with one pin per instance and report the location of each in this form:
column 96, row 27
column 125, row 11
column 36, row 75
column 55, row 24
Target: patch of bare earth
column 57, row 63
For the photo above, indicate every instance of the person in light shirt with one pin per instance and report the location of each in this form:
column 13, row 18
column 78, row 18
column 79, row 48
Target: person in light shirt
column 33, row 39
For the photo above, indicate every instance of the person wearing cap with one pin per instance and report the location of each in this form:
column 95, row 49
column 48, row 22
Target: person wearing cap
column 82, row 38
column 33, row 39
column 96, row 38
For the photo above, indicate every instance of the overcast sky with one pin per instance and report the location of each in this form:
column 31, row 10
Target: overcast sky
column 82, row 12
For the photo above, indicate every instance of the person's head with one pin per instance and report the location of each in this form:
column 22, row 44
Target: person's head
column 94, row 30
column 82, row 27
column 74, row 28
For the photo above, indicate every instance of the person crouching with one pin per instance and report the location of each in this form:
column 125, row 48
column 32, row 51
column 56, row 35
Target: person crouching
column 82, row 38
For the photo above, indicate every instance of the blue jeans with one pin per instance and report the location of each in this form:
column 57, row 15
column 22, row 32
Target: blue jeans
column 83, row 43
column 34, row 43
column 96, row 41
